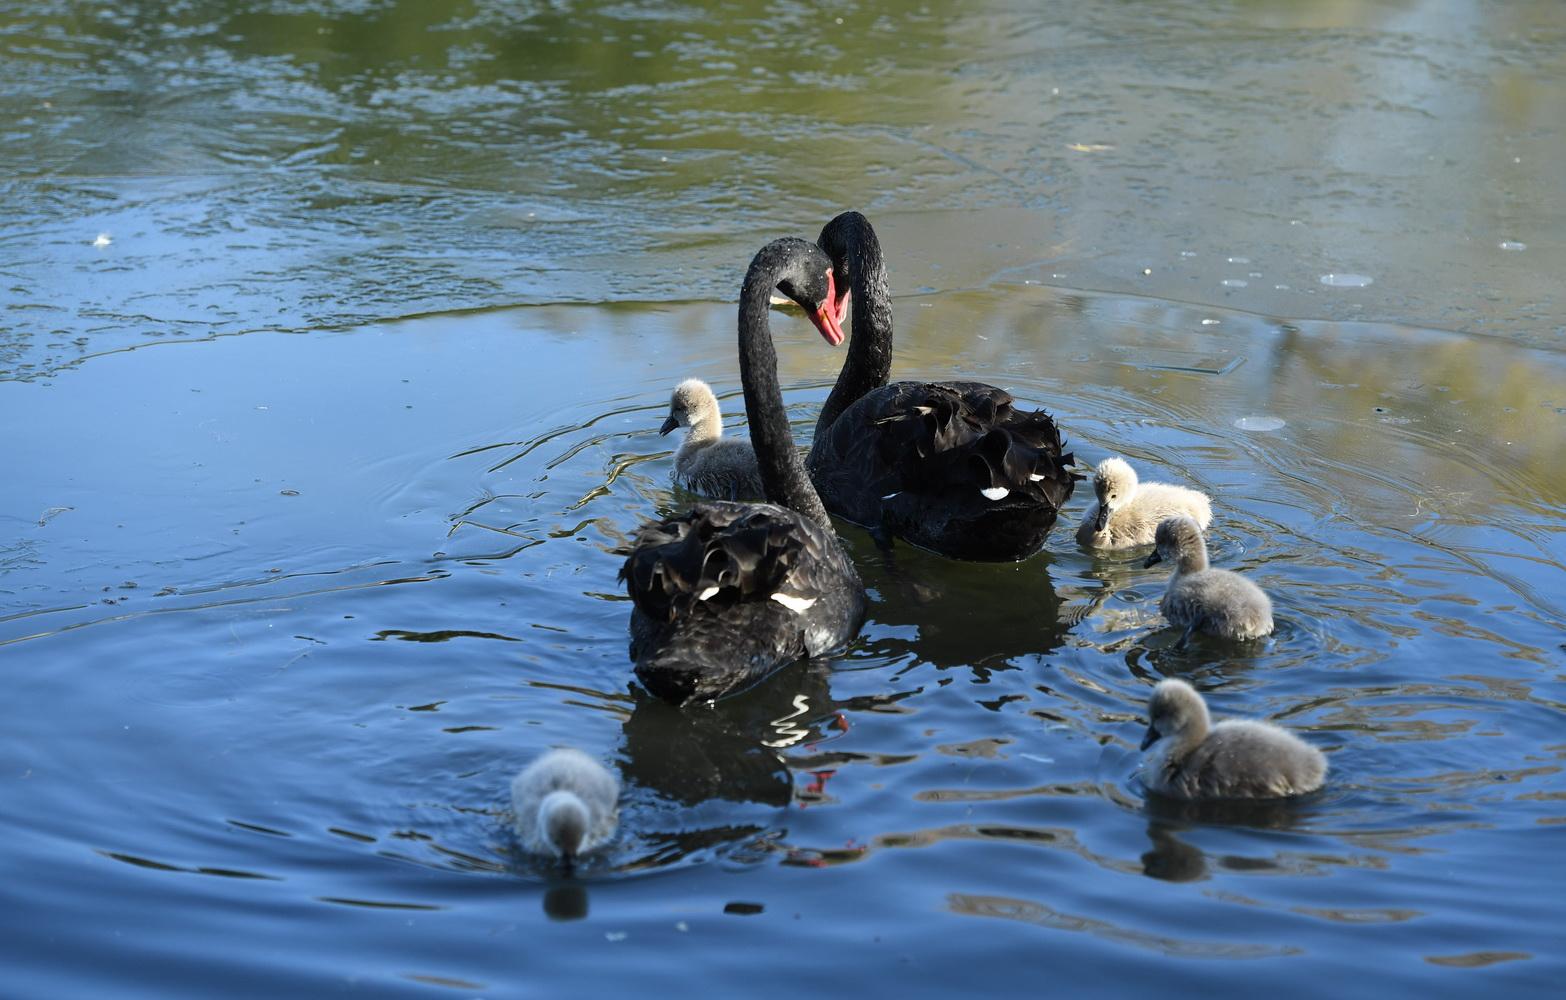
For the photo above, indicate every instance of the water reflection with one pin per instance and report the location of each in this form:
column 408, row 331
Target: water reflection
column 1172, row 859
column 692, row 757
column 951, row 614
column 714, row 778
column 566, row 901
column 299, row 166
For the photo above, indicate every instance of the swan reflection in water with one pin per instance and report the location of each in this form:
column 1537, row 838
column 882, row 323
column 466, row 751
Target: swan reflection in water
column 1172, row 859
column 982, row 616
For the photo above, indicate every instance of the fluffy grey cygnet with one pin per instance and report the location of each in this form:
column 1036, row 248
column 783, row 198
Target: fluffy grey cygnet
column 1202, row 599
column 707, row 462
column 565, row 804
column 1127, row 512
column 1235, row 759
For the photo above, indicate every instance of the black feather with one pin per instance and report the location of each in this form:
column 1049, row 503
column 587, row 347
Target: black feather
column 914, row 456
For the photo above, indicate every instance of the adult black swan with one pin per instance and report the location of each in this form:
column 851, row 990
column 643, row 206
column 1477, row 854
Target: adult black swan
column 953, row 467
column 729, row 592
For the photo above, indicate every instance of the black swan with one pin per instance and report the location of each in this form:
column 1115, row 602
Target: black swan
column 726, row 593
column 953, row 467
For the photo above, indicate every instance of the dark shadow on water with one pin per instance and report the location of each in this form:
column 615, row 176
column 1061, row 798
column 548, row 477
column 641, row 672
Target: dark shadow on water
column 981, row 616
column 1158, row 655
column 1171, row 859
column 565, row 901
column 693, row 755
column 713, row 778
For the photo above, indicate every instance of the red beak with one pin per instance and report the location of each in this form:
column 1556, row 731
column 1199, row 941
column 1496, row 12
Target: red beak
column 827, row 317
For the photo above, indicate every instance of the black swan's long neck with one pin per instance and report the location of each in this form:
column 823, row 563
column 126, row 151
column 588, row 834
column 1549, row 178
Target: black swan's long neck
column 851, row 239
column 782, row 472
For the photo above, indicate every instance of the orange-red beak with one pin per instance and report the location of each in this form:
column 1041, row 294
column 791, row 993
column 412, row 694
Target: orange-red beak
column 842, row 305
column 828, row 314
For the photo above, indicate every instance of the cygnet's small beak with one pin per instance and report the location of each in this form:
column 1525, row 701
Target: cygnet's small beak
column 1103, row 517
column 1150, row 738
column 1153, row 559
column 669, row 425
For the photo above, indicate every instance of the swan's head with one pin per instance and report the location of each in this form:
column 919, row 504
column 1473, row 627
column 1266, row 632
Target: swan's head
column 692, row 402
column 836, row 237
column 1114, row 481
column 562, row 823
column 1175, row 709
column 807, row 277
column 1178, row 539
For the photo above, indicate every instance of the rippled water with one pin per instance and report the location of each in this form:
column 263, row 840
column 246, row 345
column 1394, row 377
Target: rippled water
column 293, row 579
column 305, row 664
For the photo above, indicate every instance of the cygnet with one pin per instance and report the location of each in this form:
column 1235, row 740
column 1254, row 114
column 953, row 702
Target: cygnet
column 707, row 462
column 1127, row 512
column 1202, row 599
column 1235, row 759
column 565, row 804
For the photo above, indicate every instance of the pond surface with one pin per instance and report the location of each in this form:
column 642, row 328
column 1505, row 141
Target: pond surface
column 336, row 337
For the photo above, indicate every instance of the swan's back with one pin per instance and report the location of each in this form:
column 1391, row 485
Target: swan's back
column 1218, row 602
column 1136, row 521
column 724, row 469
column 954, row 467
column 1239, row 759
column 554, row 779
column 725, row 593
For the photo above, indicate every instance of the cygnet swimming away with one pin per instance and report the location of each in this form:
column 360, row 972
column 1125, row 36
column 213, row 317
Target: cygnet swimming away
column 1202, row 599
column 707, row 462
column 1127, row 512
column 1235, row 759
column 565, row 804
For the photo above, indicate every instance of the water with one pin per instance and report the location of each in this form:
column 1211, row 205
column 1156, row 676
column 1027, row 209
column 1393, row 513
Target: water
column 321, row 463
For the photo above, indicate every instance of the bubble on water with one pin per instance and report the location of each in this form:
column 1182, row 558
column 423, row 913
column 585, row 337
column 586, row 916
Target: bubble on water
column 1260, row 423
column 1346, row 280
column 1234, row 283
column 1188, row 253
column 1254, row 274
column 1281, row 288
column 1238, row 260
column 103, row 240
column 1512, row 245
column 1211, row 322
